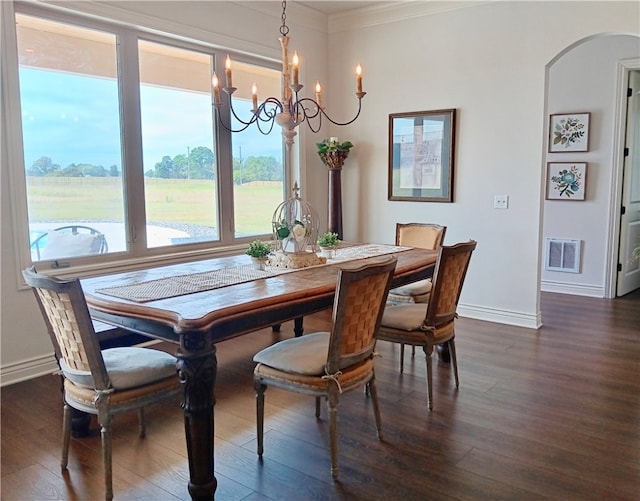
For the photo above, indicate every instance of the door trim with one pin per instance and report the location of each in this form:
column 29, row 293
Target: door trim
column 624, row 67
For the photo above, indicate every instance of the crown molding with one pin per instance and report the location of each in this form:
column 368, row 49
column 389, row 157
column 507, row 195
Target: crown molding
column 393, row 11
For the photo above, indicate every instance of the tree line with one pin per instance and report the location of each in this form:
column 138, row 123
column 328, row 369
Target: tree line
column 198, row 164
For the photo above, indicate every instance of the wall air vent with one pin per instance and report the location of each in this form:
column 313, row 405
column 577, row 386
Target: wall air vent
column 563, row 255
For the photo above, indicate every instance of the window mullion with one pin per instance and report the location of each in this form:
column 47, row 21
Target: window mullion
column 225, row 169
column 129, row 79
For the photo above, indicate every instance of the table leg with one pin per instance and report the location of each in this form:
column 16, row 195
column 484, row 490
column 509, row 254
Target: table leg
column 197, row 366
column 443, row 353
column 80, row 422
column 298, row 328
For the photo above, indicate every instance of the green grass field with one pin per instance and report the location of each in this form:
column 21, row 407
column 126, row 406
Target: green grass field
column 177, row 201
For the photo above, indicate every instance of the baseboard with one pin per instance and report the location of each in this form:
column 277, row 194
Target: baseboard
column 574, row 289
column 515, row 318
column 28, row 369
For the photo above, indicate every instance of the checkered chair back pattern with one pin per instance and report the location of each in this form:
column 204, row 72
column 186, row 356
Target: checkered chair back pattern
column 448, row 278
column 360, row 299
column 65, row 312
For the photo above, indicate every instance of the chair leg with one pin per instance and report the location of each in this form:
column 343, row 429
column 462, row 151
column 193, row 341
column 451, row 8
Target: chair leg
column 427, row 352
column 376, row 408
column 260, row 389
column 105, row 432
column 318, row 404
column 142, row 429
column 401, row 358
column 333, row 431
column 66, row 435
column 454, row 361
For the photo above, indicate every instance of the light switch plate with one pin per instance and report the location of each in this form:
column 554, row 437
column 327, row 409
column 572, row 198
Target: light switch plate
column 501, row 202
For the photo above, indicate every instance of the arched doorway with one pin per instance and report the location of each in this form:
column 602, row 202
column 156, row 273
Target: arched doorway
column 588, row 76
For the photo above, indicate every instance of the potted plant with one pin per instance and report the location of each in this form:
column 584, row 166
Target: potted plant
column 333, row 152
column 259, row 252
column 328, row 242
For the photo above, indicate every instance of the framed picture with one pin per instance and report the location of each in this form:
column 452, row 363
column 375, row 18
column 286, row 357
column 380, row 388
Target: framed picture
column 566, row 180
column 421, row 151
column 569, row 132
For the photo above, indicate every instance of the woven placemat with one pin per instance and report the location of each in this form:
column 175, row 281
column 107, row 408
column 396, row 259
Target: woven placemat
column 181, row 285
column 364, row 251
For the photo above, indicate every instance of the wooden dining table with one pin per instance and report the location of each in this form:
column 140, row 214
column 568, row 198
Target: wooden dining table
column 198, row 304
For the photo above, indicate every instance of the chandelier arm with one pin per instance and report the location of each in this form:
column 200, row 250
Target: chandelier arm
column 334, row 122
column 270, row 113
column 270, row 122
column 246, row 125
column 228, row 127
column 235, row 115
column 306, row 116
column 310, row 124
column 311, row 111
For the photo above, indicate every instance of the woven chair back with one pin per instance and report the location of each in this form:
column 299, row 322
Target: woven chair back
column 360, row 298
column 69, row 325
column 448, row 279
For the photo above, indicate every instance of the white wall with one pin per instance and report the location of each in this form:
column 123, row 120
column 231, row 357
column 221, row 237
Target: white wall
column 584, row 79
column 487, row 60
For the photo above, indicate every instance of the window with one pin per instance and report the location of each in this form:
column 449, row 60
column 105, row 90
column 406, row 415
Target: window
column 121, row 150
column 180, row 178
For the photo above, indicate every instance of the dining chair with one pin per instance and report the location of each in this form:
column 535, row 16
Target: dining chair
column 327, row 364
column 432, row 324
column 102, row 383
column 69, row 241
column 423, row 236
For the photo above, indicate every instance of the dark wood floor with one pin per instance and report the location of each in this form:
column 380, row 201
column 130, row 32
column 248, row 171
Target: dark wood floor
column 548, row 414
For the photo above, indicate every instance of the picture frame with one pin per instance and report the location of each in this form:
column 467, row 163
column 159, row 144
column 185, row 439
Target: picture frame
column 566, row 180
column 421, row 155
column 569, row 132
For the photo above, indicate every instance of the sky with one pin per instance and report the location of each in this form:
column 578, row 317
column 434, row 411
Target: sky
column 61, row 109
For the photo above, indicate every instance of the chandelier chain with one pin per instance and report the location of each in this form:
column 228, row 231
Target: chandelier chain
column 284, row 29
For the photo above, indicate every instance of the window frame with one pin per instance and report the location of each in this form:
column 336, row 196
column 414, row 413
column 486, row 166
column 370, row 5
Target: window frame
column 133, row 178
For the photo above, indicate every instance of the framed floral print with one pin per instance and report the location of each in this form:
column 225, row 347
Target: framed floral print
column 569, row 132
column 566, row 180
column 421, row 151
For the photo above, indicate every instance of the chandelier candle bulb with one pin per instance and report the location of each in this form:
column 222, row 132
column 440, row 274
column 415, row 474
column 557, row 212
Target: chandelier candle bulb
column 254, row 96
column 318, row 94
column 296, row 62
column 216, row 89
column 359, row 78
column 227, row 71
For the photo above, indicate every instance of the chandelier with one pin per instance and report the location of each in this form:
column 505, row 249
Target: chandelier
column 291, row 109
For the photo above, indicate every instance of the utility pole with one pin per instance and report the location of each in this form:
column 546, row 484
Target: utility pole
column 240, row 160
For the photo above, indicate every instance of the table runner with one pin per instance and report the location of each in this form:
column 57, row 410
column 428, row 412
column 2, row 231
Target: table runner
column 181, row 285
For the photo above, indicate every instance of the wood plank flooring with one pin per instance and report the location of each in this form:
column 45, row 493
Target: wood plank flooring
column 547, row 414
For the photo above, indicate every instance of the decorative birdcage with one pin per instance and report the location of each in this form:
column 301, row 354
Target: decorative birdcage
column 295, row 225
